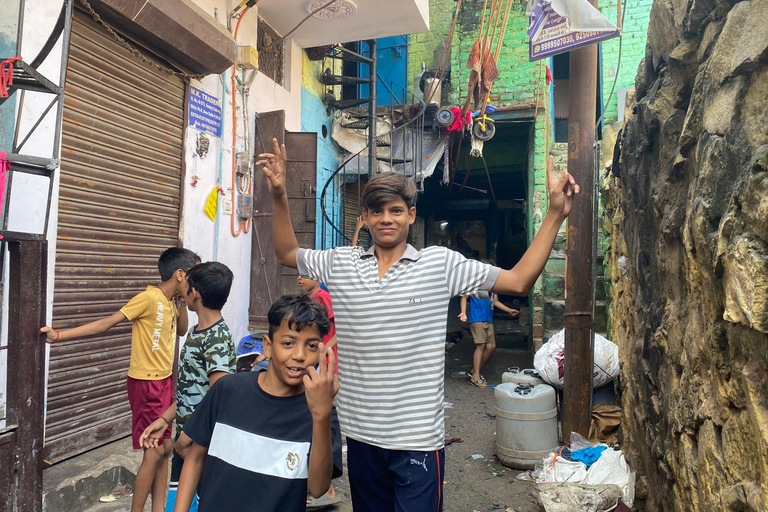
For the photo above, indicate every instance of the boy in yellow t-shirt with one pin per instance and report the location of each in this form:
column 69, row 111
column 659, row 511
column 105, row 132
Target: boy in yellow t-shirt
column 156, row 319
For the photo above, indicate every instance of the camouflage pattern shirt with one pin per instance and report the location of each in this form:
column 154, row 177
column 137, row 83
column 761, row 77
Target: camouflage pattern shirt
column 206, row 351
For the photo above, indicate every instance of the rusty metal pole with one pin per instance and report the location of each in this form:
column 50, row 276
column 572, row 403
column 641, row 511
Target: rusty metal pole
column 577, row 392
column 26, row 368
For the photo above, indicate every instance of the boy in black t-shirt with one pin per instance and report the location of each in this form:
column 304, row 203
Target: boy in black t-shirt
column 260, row 440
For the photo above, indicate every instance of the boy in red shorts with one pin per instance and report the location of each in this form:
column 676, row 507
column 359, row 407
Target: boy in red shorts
column 156, row 318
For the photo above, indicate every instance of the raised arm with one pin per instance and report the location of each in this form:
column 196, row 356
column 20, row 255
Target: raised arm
column 320, row 387
column 521, row 278
column 358, row 226
column 96, row 327
column 283, row 236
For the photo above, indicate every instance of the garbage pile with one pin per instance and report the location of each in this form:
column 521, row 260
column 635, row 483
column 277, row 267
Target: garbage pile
column 582, row 478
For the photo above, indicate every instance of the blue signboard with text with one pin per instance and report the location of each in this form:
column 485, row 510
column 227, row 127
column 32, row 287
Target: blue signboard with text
column 551, row 33
column 204, row 111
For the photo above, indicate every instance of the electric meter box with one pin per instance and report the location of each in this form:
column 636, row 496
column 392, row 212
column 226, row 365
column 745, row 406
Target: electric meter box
column 247, row 57
column 245, row 206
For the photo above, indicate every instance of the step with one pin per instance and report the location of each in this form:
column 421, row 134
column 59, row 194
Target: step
column 27, row 78
column 348, row 103
column 553, row 286
column 328, row 79
column 555, row 309
column 348, row 55
column 78, row 483
column 357, row 125
column 394, row 160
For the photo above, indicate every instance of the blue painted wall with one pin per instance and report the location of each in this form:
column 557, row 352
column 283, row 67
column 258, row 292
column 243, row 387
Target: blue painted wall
column 313, row 118
column 391, row 68
column 8, row 49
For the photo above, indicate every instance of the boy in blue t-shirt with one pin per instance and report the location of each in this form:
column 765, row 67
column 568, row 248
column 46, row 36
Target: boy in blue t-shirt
column 260, row 440
column 480, row 320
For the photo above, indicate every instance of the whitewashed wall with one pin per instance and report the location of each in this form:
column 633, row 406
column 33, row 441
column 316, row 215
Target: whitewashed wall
column 199, row 233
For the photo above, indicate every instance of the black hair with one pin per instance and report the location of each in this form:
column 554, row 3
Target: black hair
column 212, row 280
column 389, row 186
column 301, row 312
column 174, row 259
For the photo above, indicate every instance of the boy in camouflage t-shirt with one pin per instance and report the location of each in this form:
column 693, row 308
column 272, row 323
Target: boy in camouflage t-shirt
column 207, row 355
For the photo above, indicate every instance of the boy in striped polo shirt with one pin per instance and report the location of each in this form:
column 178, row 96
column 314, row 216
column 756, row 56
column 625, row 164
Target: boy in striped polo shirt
column 391, row 305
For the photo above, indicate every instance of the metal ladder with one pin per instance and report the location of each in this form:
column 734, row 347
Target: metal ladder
column 27, row 78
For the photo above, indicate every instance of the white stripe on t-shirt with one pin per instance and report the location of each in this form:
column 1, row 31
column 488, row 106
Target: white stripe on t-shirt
column 259, row 454
column 391, row 338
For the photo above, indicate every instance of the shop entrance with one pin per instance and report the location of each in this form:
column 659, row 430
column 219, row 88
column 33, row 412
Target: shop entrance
column 482, row 213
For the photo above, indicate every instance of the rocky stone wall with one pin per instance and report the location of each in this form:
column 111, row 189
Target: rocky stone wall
column 689, row 264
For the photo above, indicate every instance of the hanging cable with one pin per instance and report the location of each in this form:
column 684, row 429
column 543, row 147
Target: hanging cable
column 618, row 67
column 440, row 71
column 244, row 226
column 283, row 38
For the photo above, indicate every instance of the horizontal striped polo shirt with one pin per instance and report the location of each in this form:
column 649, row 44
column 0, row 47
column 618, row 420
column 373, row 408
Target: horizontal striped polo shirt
column 391, row 338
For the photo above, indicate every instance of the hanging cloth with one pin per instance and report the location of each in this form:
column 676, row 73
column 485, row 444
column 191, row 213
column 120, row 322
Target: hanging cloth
column 484, row 70
column 458, row 123
column 6, row 75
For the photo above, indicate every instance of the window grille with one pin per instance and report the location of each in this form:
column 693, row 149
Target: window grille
column 271, row 53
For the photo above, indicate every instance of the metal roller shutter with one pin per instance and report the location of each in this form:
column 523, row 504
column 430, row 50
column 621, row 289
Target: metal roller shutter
column 352, row 207
column 119, row 204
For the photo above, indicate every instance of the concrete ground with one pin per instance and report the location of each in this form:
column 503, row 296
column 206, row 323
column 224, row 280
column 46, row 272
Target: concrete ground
column 470, row 484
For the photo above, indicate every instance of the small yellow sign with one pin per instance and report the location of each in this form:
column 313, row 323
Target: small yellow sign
column 212, row 204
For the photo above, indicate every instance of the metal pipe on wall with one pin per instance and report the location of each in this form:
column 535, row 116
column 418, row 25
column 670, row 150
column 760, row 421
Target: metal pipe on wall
column 372, row 164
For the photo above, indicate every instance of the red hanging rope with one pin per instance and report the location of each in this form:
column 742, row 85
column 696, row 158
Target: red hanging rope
column 6, row 75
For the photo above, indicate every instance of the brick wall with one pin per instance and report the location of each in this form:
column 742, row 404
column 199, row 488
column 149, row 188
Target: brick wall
column 635, row 32
column 517, row 76
column 516, row 86
column 421, row 47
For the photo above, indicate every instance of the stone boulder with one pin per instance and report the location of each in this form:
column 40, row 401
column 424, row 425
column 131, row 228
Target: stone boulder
column 689, row 259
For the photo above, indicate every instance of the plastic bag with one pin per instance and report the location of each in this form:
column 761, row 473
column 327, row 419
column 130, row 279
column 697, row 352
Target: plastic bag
column 578, row 442
column 554, row 497
column 612, row 468
column 557, row 469
column 549, row 360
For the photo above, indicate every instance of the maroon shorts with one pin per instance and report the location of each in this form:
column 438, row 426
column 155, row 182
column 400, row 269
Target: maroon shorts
column 149, row 399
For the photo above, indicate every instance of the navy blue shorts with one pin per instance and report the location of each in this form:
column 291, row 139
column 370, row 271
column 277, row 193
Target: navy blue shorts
column 384, row 480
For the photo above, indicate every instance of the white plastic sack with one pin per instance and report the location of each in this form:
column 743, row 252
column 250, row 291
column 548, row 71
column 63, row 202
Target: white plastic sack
column 612, row 468
column 561, row 470
column 549, row 360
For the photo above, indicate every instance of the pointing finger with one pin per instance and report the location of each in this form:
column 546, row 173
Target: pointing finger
column 331, row 363
column 323, row 363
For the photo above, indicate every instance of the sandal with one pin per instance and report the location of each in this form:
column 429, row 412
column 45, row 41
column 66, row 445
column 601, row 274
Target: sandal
column 322, row 501
column 480, row 383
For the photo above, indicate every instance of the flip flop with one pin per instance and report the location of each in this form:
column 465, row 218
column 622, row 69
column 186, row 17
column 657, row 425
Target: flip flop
column 322, row 501
column 480, row 383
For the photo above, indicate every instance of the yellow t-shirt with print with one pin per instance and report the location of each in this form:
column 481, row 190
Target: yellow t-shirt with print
column 154, row 334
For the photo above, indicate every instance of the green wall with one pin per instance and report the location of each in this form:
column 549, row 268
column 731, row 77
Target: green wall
column 635, row 33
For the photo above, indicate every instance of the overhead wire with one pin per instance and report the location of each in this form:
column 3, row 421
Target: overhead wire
column 618, row 67
column 283, row 38
column 244, row 224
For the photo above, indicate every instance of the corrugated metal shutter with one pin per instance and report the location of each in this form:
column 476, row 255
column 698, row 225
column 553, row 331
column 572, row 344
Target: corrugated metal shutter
column 118, row 210
column 351, row 208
